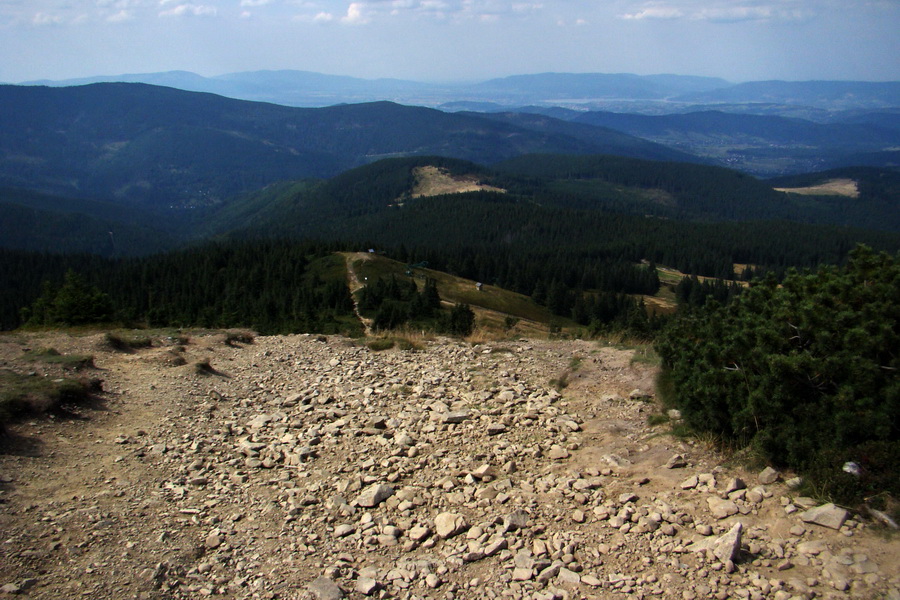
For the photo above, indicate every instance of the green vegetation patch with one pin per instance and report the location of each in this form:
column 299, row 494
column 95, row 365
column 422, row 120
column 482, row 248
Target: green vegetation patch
column 803, row 372
column 127, row 341
column 24, row 395
column 379, row 344
column 55, row 357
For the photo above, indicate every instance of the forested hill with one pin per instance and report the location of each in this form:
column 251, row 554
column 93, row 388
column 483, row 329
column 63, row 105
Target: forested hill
column 707, row 193
column 356, row 199
column 520, row 229
column 159, row 146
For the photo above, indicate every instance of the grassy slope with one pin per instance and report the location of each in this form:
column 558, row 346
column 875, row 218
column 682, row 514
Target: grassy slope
column 492, row 305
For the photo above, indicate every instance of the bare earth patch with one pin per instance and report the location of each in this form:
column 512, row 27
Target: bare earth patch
column 833, row 187
column 432, row 181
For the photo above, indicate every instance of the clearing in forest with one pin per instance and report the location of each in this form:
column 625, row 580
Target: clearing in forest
column 832, row 187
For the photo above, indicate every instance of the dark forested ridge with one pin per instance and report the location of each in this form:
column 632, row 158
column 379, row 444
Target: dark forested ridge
column 142, row 144
column 593, row 207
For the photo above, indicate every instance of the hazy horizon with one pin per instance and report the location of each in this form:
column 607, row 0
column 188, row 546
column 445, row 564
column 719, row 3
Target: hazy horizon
column 450, row 82
column 446, row 41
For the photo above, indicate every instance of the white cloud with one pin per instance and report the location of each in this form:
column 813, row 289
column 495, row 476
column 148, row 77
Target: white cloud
column 355, row 14
column 721, row 11
column 46, row 19
column 654, row 12
column 120, row 17
column 252, row 3
column 366, row 11
column 196, row 10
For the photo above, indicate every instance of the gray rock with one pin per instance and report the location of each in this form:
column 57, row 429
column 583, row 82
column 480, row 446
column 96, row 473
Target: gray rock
column 768, row 476
column 550, row 572
column 721, row 509
column 812, row 547
column 735, row 484
column 449, row 524
column 419, row 533
column 455, row 417
column 374, row 495
column 558, row 452
column 366, row 586
column 690, row 483
column 676, row 462
column 404, row 439
column 496, row 429
column 827, row 515
column 568, row 577
column 518, row 519
column 522, row 574
column 325, row 589
column 343, row 530
column 495, row 547
column 728, row 546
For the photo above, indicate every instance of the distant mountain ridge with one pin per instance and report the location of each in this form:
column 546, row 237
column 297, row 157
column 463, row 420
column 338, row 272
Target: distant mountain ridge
column 765, row 145
column 610, row 91
column 156, row 146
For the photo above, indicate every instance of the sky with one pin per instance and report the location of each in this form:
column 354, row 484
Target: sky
column 453, row 40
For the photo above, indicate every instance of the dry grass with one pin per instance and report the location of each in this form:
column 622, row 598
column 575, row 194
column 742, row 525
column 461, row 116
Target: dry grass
column 832, row 187
column 432, row 181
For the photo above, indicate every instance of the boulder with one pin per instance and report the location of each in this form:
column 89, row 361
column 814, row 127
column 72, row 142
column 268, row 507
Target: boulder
column 374, row 495
column 768, row 476
column 449, row 524
column 325, row 589
column 827, row 515
column 721, row 509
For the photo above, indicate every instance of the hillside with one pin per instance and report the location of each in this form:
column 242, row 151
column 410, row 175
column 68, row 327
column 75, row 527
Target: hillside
column 522, row 203
column 45, row 223
column 163, row 147
column 310, row 466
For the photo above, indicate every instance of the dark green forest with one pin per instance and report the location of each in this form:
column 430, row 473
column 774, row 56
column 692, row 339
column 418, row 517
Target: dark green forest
column 271, row 287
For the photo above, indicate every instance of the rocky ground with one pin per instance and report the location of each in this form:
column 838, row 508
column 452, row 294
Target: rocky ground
column 305, row 466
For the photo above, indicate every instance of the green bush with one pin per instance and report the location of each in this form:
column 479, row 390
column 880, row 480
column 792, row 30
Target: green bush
column 805, row 371
column 460, row 321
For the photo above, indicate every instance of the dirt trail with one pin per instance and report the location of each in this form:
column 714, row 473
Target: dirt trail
column 355, row 285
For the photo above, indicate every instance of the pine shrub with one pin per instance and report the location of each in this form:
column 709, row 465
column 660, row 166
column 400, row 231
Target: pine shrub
column 805, row 371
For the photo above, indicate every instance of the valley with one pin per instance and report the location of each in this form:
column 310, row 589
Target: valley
column 514, row 344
